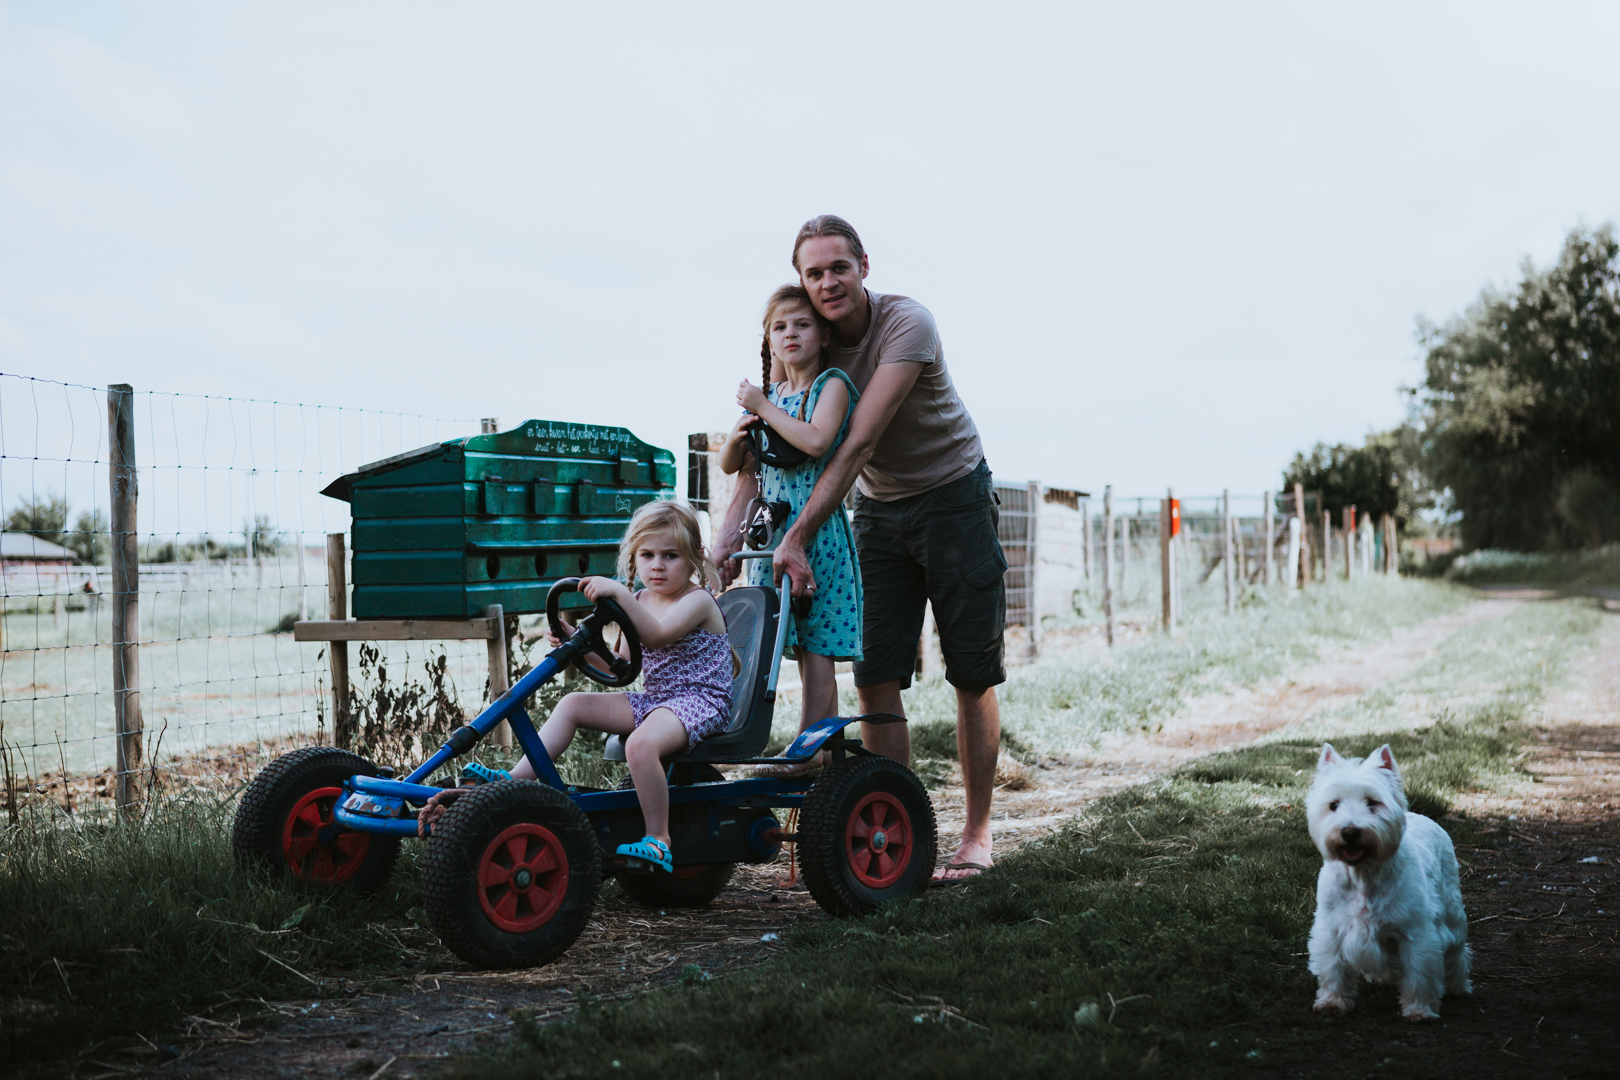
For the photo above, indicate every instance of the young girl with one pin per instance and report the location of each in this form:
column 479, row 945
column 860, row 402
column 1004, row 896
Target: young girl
column 685, row 663
column 810, row 408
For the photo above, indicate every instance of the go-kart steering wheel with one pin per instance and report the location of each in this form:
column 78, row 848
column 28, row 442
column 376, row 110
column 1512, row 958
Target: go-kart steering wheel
column 622, row 672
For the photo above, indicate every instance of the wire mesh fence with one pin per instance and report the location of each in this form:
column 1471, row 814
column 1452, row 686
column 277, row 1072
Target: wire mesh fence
column 230, row 538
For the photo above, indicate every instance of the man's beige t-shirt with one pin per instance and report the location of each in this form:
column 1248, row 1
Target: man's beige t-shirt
column 931, row 440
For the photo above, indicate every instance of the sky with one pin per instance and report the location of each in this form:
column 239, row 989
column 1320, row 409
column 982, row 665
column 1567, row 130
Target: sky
column 1165, row 244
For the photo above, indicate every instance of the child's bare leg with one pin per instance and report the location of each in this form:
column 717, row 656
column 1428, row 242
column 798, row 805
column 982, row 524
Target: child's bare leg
column 818, row 687
column 594, row 712
column 659, row 736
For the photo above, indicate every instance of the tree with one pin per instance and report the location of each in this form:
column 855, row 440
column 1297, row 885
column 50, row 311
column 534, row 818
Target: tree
column 264, row 536
column 1521, row 404
column 44, row 517
column 90, row 538
column 1379, row 477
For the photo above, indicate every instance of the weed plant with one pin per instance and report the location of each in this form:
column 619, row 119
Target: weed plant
column 1162, row 933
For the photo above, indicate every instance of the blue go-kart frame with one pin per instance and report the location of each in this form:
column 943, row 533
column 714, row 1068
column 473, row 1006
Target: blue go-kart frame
column 512, row 868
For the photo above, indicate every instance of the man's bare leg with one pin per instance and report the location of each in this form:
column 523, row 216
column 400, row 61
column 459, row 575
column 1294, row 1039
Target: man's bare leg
column 978, row 743
column 890, row 740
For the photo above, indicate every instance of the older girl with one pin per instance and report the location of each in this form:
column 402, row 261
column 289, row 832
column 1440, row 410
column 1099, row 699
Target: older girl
column 810, row 408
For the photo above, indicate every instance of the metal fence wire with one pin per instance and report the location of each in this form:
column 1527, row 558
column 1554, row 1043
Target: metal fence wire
column 229, row 530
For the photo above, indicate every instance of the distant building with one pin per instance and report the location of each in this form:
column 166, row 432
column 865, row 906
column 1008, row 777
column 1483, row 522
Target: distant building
column 26, row 549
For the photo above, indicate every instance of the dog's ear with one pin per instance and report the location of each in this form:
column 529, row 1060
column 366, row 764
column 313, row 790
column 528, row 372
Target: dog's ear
column 1384, row 758
column 1329, row 756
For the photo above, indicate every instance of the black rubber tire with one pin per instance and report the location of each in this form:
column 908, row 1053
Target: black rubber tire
column 258, row 833
column 824, row 829
column 698, row 889
column 467, row 835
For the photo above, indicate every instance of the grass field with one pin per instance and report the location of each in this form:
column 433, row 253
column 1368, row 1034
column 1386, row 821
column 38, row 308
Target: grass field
column 113, row 930
column 1162, row 933
column 213, row 671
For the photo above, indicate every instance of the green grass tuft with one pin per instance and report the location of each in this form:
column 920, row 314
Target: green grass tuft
column 111, row 929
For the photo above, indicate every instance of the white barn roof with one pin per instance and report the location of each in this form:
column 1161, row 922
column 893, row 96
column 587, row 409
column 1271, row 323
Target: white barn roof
column 27, row 546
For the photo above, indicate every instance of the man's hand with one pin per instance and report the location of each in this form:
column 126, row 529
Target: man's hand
column 790, row 560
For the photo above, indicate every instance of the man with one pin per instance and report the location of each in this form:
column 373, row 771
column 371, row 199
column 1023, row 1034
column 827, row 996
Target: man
column 924, row 523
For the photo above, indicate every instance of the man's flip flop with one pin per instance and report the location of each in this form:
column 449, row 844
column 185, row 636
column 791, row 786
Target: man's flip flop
column 945, row 882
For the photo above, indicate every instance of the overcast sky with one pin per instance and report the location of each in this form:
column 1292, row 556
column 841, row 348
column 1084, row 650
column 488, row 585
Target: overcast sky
column 1165, row 244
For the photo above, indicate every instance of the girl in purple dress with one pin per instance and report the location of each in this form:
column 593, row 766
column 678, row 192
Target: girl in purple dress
column 685, row 664
column 686, row 667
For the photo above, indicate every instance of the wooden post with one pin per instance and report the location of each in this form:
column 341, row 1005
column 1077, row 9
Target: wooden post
column 498, row 682
column 303, row 587
column 1175, row 563
column 1271, row 537
column 1347, row 517
column 126, row 599
column 337, row 652
column 1327, row 544
column 1169, row 614
column 1291, row 566
column 1124, row 549
column 1392, row 564
column 1032, row 575
column 1304, row 537
column 1085, row 539
column 489, row 425
column 1107, row 568
column 1226, row 549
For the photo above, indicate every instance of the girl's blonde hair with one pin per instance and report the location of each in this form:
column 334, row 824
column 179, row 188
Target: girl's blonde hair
column 677, row 520
column 786, row 296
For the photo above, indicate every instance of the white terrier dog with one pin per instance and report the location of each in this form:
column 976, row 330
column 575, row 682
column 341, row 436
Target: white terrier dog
column 1388, row 900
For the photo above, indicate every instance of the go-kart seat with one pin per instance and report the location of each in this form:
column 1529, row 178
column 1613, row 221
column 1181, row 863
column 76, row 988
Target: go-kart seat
column 750, row 613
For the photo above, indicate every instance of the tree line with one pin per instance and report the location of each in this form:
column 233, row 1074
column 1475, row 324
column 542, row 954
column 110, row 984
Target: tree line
column 90, row 538
column 1513, row 437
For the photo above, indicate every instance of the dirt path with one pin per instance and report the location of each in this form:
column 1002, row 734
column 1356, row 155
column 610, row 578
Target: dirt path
column 627, row 949
column 1056, row 791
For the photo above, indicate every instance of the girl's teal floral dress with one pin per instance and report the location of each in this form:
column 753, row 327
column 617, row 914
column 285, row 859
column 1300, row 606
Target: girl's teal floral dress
column 833, row 627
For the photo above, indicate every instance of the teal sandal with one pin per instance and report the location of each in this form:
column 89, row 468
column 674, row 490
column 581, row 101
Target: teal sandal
column 650, row 850
column 482, row 774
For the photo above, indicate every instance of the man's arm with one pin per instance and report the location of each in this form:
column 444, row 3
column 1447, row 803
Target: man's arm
column 727, row 538
column 889, row 386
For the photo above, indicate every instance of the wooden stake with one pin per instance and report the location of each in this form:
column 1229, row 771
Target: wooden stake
column 1226, row 549
column 126, row 599
column 1107, row 568
column 1327, row 544
column 1169, row 614
column 1271, row 538
column 337, row 652
column 498, row 683
column 1085, row 539
column 1348, row 517
column 1304, row 538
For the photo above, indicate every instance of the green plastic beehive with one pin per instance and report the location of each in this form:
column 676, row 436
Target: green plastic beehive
column 447, row 530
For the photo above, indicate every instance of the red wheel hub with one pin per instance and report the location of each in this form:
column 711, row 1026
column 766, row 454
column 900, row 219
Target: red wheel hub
column 317, row 848
column 878, row 840
column 522, row 878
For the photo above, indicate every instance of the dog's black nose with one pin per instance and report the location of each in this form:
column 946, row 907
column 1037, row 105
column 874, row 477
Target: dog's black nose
column 1350, row 834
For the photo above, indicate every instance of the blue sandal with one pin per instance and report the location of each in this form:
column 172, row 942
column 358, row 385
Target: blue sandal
column 482, row 774
column 649, row 849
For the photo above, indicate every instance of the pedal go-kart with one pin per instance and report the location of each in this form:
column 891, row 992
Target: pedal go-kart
column 512, row 869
